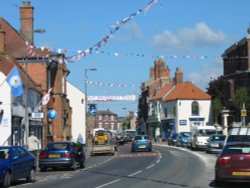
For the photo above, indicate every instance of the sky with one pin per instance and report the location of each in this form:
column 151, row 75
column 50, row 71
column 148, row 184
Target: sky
column 189, row 34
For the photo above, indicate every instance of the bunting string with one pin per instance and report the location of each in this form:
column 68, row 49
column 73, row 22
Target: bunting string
column 114, row 28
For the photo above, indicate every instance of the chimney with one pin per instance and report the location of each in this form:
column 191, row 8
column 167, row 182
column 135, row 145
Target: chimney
column 178, row 76
column 27, row 21
column 2, row 44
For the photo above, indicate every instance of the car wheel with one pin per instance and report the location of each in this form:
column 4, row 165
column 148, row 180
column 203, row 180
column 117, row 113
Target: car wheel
column 42, row 169
column 7, row 179
column 218, row 183
column 82, row 164
column 150, row 149
column 74, row 167
column 32, row 176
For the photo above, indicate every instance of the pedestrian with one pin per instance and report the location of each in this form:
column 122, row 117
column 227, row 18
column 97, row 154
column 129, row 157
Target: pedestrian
column 157, row 134
column 33, row 143
column 79, row 139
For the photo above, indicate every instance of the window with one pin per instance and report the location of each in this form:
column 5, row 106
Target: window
column 166, row 112
column 195, row 108
column 100, row 117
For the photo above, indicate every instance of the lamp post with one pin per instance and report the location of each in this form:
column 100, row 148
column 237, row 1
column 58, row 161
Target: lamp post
column 86, row 100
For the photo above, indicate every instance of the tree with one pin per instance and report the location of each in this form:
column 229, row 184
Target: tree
column 241, row 97
column 216, row 109
column 126, row 122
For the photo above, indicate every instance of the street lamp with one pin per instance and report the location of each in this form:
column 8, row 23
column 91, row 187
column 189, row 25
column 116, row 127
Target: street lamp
column 86, row 99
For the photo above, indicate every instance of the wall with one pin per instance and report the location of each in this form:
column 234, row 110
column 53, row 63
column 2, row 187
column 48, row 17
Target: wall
column 6, row 123
column 75, row 97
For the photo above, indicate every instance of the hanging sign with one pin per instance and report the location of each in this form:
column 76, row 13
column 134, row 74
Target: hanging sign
column 52, row 114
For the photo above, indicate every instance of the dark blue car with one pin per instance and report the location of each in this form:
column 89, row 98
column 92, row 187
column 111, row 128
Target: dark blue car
column 16, row 163
column 62, row 154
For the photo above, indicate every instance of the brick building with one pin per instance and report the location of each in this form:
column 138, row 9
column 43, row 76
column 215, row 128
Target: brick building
column 106, row 119
column 47, row 69
column 236, row 63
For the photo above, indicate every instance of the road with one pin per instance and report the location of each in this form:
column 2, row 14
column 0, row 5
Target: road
column 165, row 166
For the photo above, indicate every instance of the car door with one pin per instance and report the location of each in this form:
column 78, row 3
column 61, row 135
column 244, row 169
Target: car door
column 21, row 163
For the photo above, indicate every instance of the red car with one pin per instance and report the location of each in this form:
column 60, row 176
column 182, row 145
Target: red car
column 233, row 163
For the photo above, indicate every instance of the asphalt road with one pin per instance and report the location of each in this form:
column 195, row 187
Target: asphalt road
column 165, row 166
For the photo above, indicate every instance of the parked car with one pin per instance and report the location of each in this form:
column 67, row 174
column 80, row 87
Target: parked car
column 141, row 142
column 120, row 138
column 215, row 143
column 62, row 154
column 16, row 163
column 233, row 163
column 172, row 139
column 182, row 139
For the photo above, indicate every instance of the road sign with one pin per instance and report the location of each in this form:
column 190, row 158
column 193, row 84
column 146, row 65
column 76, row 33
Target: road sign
column 243, row 113
column 37, row 115
column 92, row 109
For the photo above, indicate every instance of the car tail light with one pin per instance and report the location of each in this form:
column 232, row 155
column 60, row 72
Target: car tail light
column 67, row 155
column 43, row 155
column 134, row 142
column 224, row 159
column 148, row 141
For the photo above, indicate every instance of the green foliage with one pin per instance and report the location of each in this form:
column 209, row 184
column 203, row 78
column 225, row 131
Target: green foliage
column 216, row 109
column 126, row 122
column 241, row 97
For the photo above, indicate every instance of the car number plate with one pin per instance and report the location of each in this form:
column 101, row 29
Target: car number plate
column 54, row 156
column 241, row 173
column 142, row 146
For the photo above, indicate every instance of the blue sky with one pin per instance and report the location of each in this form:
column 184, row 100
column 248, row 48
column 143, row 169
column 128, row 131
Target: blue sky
column 175, row 29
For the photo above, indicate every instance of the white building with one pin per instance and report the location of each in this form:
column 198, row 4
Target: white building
column 5, row 112
column 76, row 98
column 180, row 107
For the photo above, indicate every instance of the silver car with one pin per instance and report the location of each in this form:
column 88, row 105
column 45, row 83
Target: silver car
column 215, row 143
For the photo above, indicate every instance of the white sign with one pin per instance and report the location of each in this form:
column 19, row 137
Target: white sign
column 112, row 98
column 37, row 115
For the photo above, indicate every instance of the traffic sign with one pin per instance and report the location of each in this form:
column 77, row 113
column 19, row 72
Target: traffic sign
column 243, row 113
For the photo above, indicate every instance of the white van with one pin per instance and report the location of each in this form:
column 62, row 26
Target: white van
column 199, row 136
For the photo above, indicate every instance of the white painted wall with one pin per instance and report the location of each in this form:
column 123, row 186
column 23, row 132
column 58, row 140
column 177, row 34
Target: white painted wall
column 75, row 97
column 184, row 112
column 6, row 123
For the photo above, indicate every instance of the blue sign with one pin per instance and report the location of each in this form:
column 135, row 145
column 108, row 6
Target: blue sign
column 183, row 122
column 52, row 114
column 92, row 109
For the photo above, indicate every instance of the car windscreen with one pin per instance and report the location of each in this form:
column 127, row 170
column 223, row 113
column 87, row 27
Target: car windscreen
column 205, row 132
column 218, row 137
column 237, row 149
column 238, row 138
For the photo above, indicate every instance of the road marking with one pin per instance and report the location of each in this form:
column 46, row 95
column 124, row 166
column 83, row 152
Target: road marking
column 138, row 155
column 150, row 166
column 108, row 183
column 135, row 173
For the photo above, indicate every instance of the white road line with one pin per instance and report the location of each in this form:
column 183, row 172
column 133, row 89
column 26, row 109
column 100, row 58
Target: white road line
column 135, row 173
column 150, row 166
column 108, row 183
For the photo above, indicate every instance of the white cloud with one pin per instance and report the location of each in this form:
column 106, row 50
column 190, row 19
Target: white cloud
column 134, row 35
column 206, row 74
column 186, row 38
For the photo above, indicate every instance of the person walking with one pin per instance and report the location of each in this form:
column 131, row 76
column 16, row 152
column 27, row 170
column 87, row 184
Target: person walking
column 79, row 139
column 157, row 134
column 33, row 144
